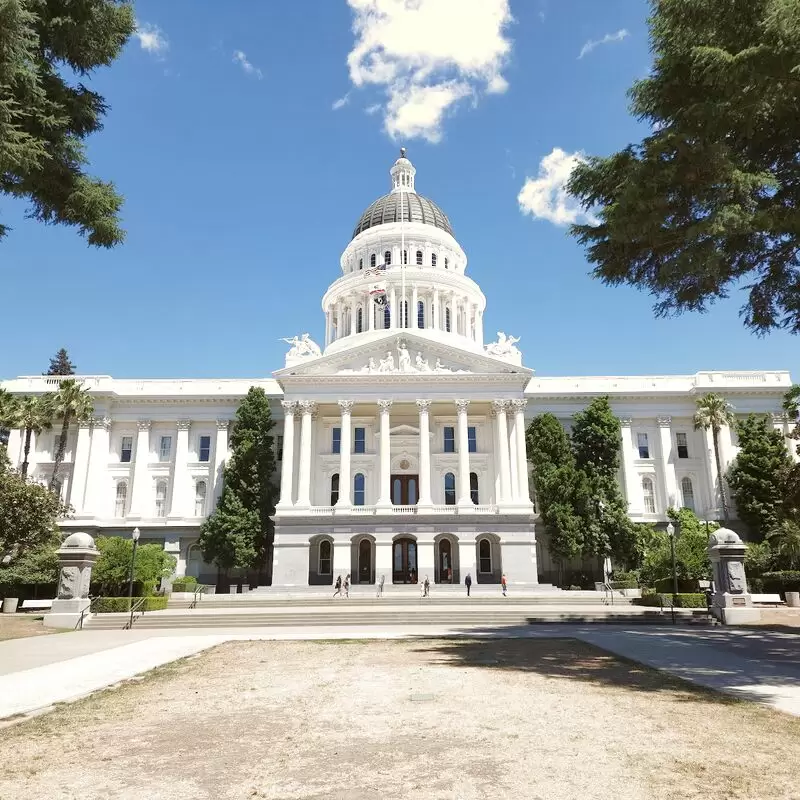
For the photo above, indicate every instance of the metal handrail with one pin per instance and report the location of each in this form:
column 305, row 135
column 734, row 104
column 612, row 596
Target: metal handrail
column 86, row 612
column 135, row 607
column 198, row 591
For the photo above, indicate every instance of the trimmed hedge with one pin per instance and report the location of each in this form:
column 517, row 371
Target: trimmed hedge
column 110, row 605
column 685, row 585
column 786, row 580
column 624, row 585
column 683, row 600
column 187, row 584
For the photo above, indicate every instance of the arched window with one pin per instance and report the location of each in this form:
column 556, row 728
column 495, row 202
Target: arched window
column 387, row 258
column 200, row 498
column 449, row 489
column 420, row 314
column 405, row 256
column 687, row 490
column 404, row 309
column 358, row 489
column 359, row 320
column 324, row 566
column 433, row 259
column 446, row 262
column 334, row 489
column 121, row 499
column 648, row 491
column 484, row 556
column 361, row 263
column 473, row 487
column 447, row 318
column 161, row 499
column 419, row 258
column 372, row 260
column 387, row 317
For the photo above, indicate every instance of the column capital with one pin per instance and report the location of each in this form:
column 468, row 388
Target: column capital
column 144, row 424
column 184, row 424
column 346, row 406
column 102, row 422
column 289, row 407
column 462, row 406
column 779, row 416
column 424, row 406
column 385, row 406
column 308, row 407
column 626, row 422
column 664, row 422
column 499, row 406
column 222, row 424
column 85, row 423
column 519, row 405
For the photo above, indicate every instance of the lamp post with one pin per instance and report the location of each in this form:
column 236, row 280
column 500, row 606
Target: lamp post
column 671, row 534
column 135, row 537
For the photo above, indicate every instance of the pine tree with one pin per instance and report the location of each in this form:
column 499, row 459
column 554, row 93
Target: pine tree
column 60, row 364
column 240, row 532
column 758, row 476
column 44, row 118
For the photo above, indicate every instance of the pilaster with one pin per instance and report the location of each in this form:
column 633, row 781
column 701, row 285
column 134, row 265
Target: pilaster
column 287, row 459
column 668, row 463
column 632, row 488
column 308, row 409
column 220, row 457
column 464, row 499
column 141, row 499
column 424, row 453
column 80, row 469
column 345, row 449
column 179, row 505
column 385, row 495
column 499, row 408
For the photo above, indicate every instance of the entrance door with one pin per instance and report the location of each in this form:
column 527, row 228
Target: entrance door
column 404, row 561
column 445, row 561
column 365, row 561
column 404, row 490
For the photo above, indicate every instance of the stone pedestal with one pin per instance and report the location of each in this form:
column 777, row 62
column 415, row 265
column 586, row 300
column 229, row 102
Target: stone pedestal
column 732, row 603
column 77, row 555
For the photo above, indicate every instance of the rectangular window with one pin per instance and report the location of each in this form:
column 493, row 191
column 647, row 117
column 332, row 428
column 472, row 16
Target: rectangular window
column 165, row 449
column 644, row 449
column 449, row 439
column 126, row 449
column 472, row 439
column 122, row 496
column 205, row 448
column 682, row 440
column 161, row 499
column 280, row 448
column 359, row 440
column 336, row 440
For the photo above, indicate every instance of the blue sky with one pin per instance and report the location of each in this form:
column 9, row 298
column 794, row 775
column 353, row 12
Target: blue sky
column 243, row 183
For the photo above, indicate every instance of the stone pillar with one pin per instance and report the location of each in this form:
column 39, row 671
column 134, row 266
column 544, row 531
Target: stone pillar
column 308, row 409
column 385, row 494
column 464, row 499
column 467, row 564
column 436, row 312
column 523, row 487
column 220, row 457
column 780, row 422
column 345, row 449
column 499, row 407
column 632, row 489
column 352, row 307
column 370, row 310
column 287, row 461
column 732, row 602
column 141, row 499
column 98, row 489
column 453, row 314
column 394, row 317
column 327, row 327
column 383, row 561
column 512, row 454
column 480, row 327
column 342, row 561
column 179, row 505
column 76, row 556
column 425, row 560
column 414, row 303
column 424, row 453
column 80, row 469
column 668, row 464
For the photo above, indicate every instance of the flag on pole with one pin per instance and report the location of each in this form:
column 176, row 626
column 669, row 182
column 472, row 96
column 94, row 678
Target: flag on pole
column 377, row 291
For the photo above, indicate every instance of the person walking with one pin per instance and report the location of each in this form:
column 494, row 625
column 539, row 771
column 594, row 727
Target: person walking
column 380, row 586
column 338, row 586
column 504, row 584
column 347, row 586
column 426, row 587
column 468, row 583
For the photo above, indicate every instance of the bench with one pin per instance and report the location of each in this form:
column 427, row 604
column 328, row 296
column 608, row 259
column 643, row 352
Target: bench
column 36, row 605
column 767, row 599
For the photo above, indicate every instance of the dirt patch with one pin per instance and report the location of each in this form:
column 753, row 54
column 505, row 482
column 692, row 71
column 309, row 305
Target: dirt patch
column 422, row 719
column 17, row 626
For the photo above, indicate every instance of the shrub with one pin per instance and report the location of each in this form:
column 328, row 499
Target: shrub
column 682, row 600
column 781, row 582
column 624, row 584
column 186, row 583
column 110, row 605
column 619, row 576
column 685, row 585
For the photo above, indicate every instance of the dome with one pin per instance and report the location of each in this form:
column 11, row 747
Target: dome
column 416, row 208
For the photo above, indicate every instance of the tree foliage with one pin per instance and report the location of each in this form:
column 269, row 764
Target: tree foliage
column 784, row 540
column 37, row 565
column 239, row 532
column 45, row 119
column 710, row 198
column 714, row 411
column 113, row 567
column 60, row 364
column 758, row 477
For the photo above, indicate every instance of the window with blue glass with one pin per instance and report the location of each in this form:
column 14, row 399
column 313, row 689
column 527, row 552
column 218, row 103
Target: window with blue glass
column 449, row 439
column 449, row 489
column 358, row 490
column 205, row 448
column 336, row 440
column 473, row 487
column 472, row 439
column 359, row 440
column 387, row 317
column 420, row 314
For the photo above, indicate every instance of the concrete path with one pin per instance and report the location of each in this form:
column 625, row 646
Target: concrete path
column 757, row 665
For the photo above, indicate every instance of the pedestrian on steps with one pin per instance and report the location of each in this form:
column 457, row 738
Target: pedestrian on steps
column 504, row 584
column 426, row 587
column 347, row 586
column 468, row 583
column 338, row 586
column 380, row 586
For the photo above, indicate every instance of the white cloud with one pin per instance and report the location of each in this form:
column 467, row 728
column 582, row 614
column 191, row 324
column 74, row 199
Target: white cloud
column 240, row 58
column 609, row 38
column 373, row 109
column 151, row 38
column 545, row 197
column 341, row 102
column 428, row 55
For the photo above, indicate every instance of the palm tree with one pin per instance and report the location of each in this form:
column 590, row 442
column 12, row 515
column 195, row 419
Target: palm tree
column 713, row 412
column 71, row 403
column 784, row 539
column 33, row 415
column 8, row 406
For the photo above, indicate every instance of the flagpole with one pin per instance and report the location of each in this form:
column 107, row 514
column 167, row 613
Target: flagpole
column 403, row 303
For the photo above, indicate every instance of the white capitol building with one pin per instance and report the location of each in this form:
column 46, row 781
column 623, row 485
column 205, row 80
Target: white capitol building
column 401, row 443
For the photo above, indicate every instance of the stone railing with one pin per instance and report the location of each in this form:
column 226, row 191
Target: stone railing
column 330, row 511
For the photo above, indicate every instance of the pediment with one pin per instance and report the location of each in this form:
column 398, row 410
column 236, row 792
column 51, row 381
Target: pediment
column 400, row 353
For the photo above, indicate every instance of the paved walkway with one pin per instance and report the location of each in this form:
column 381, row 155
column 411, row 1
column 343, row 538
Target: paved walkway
column 757, row 665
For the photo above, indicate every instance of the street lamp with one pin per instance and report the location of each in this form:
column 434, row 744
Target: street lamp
column 671, row 534
column 135, row 537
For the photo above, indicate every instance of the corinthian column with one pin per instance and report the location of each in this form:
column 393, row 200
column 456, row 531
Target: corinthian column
column 667, row 463
column 499, row 407
column 304, row 480
column 632, row 489
column 464, row 498
column 424, row 453
column 518, row 430
column 287, row 460
column 385, row 495
column 345, row 448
